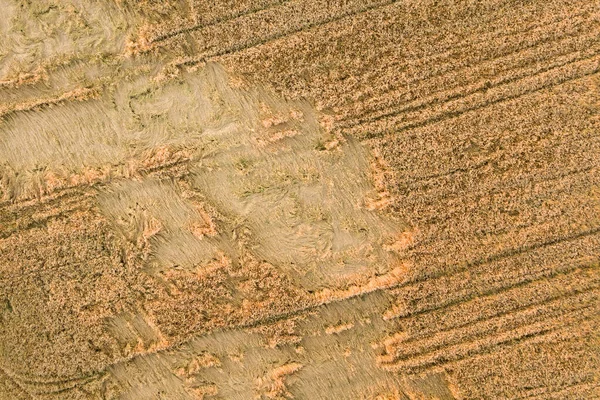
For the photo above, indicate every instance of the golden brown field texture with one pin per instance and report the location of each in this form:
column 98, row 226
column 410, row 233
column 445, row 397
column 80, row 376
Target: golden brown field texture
column 308, row 199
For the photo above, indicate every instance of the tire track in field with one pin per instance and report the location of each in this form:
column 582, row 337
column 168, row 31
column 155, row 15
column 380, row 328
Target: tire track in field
column 565, row 77
column 381, row 110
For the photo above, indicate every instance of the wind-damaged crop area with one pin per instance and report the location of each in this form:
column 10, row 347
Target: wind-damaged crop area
column 299, row 199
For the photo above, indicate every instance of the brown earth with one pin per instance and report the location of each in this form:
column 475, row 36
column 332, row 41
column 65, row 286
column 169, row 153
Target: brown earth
column 299, row 199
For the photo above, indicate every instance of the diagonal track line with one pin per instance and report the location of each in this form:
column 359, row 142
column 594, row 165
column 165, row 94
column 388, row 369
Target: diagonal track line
column 281, row 35
column 218, row 21
column 455, row 114
column 367, row 117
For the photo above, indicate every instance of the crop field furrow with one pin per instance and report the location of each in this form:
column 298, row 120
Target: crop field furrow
column 582, row 391
column 492, row 160
column 217, row 21
column 457, row 176
column 557, row 337
column 531, row 254
column 456, row 353
column 397, row 127
column 543, row 353
column 516, row 318
column 484, row 290
column 287, row 31
column 513, row 240
column 497, row 305
column 510, row 221
column 515, row 62
column 503, row 301
column 473, row 53
column 427, row 191
column 575, row 388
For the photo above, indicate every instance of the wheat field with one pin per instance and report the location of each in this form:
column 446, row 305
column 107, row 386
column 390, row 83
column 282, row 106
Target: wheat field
column 307, row 199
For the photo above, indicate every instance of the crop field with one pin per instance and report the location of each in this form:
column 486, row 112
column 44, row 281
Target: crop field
column 299, row 199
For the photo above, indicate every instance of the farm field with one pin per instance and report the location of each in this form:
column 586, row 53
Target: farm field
column 301, row 199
